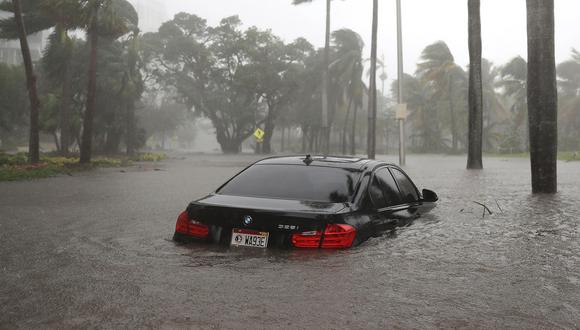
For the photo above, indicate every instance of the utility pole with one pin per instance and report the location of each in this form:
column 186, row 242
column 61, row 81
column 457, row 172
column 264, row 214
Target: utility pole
column 402, row 109
column 371, row 144
column 325, row 82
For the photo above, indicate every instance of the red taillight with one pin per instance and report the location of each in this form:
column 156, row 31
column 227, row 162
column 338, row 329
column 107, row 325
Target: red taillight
column 190, row 227
column 336, row 236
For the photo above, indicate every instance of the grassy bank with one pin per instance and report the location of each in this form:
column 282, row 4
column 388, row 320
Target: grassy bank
column 15, row 167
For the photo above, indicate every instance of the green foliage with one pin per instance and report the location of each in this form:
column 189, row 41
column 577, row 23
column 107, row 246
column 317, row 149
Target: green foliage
column 149, row 157
column 16, row 159
column 15, row 167
column 13, row 103
column 238, row 79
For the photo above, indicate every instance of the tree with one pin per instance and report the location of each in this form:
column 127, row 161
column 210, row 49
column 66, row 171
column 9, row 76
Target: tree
column 325, row 77
column 273, row 73
column 63, row 16
column 513, row 84
column 13, row 98
column 438, row 69
column 423, row 114
column 347, row 70
column 496, row 116
column 372, row 139
column 569, row 85
column 111, row 19
column 34, row 141
column 209, row 68
column 475, row 132
column 542, row 96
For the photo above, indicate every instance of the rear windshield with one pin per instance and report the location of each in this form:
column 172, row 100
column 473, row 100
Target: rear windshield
column 297, row 182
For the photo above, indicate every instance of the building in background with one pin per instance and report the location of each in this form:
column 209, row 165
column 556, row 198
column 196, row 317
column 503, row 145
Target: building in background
column 152, row 14
column 10, row 52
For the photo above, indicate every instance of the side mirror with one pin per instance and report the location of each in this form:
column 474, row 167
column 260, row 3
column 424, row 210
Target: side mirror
column 430, row 196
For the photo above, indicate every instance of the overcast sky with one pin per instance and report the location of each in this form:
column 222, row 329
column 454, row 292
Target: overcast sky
column 424, row 22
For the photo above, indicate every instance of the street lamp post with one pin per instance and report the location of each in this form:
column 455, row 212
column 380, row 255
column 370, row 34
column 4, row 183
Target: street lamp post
column 401, row 113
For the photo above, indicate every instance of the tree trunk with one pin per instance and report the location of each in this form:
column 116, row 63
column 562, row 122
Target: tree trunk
column 542, row 96
column 65, row 129
column 231, row 145
column 282, row 137
column 372, row 139
column 268, row 131
column 345, row 126
column 353, row 131
column 87, row 140
column 289, row 138
column 475, row 134
column 34, row 139
column 130, row 127
column 56, row 141
column 304, row 138
column 452, row 114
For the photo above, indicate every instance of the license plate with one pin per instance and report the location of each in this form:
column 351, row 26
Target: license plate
column 251, row 238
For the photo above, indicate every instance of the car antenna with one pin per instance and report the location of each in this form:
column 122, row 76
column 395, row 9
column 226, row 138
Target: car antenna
column 307, row 160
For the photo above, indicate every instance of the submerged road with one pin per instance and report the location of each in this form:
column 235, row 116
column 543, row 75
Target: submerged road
column 94, row 251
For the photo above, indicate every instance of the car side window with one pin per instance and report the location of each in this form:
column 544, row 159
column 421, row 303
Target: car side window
column 384, row 191
column 408, row 190
column 376, row 193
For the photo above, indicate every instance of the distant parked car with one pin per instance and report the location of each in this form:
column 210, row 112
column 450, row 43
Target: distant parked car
column 305, row 202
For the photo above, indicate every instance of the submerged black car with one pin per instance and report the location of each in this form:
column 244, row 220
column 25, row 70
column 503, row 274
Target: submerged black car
column 305, row 202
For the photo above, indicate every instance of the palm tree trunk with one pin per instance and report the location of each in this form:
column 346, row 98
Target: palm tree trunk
column 542, row 96
column 372, row 139
column 130, row 126
column 353, row 131
column 452, row 114
column 34, row 139
column 87, row 140
column 475, row 134
column 345, row 127
column 65, row 133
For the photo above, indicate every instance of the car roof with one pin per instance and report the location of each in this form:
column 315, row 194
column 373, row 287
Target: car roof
column 356, row 163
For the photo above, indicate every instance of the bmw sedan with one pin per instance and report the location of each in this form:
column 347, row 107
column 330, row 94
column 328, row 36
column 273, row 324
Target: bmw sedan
column 305, row 202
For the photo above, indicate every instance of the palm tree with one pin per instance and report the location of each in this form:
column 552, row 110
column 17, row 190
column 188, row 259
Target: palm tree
column 110, row 19
column 496, row 116
column 513, row 84
column 34, row 141
column 438, row 70
column 423, row 116
column 347, row 70
column 569, row 84
column 325, row 77
column 475, row 132
column 372, row 139
column 93, row 36
column 63, row 16
column 17, row 25
column 542, row 96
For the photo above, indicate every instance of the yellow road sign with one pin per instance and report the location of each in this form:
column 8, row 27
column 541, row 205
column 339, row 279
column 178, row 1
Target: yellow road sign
column 259, row 134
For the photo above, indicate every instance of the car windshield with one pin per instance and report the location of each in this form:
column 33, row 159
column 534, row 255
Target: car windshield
column 297, row 182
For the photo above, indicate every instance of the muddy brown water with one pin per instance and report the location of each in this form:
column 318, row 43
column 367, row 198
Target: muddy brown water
column 95, row 251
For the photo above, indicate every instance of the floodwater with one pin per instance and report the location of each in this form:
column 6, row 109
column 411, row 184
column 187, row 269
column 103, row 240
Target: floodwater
column 94, row 251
